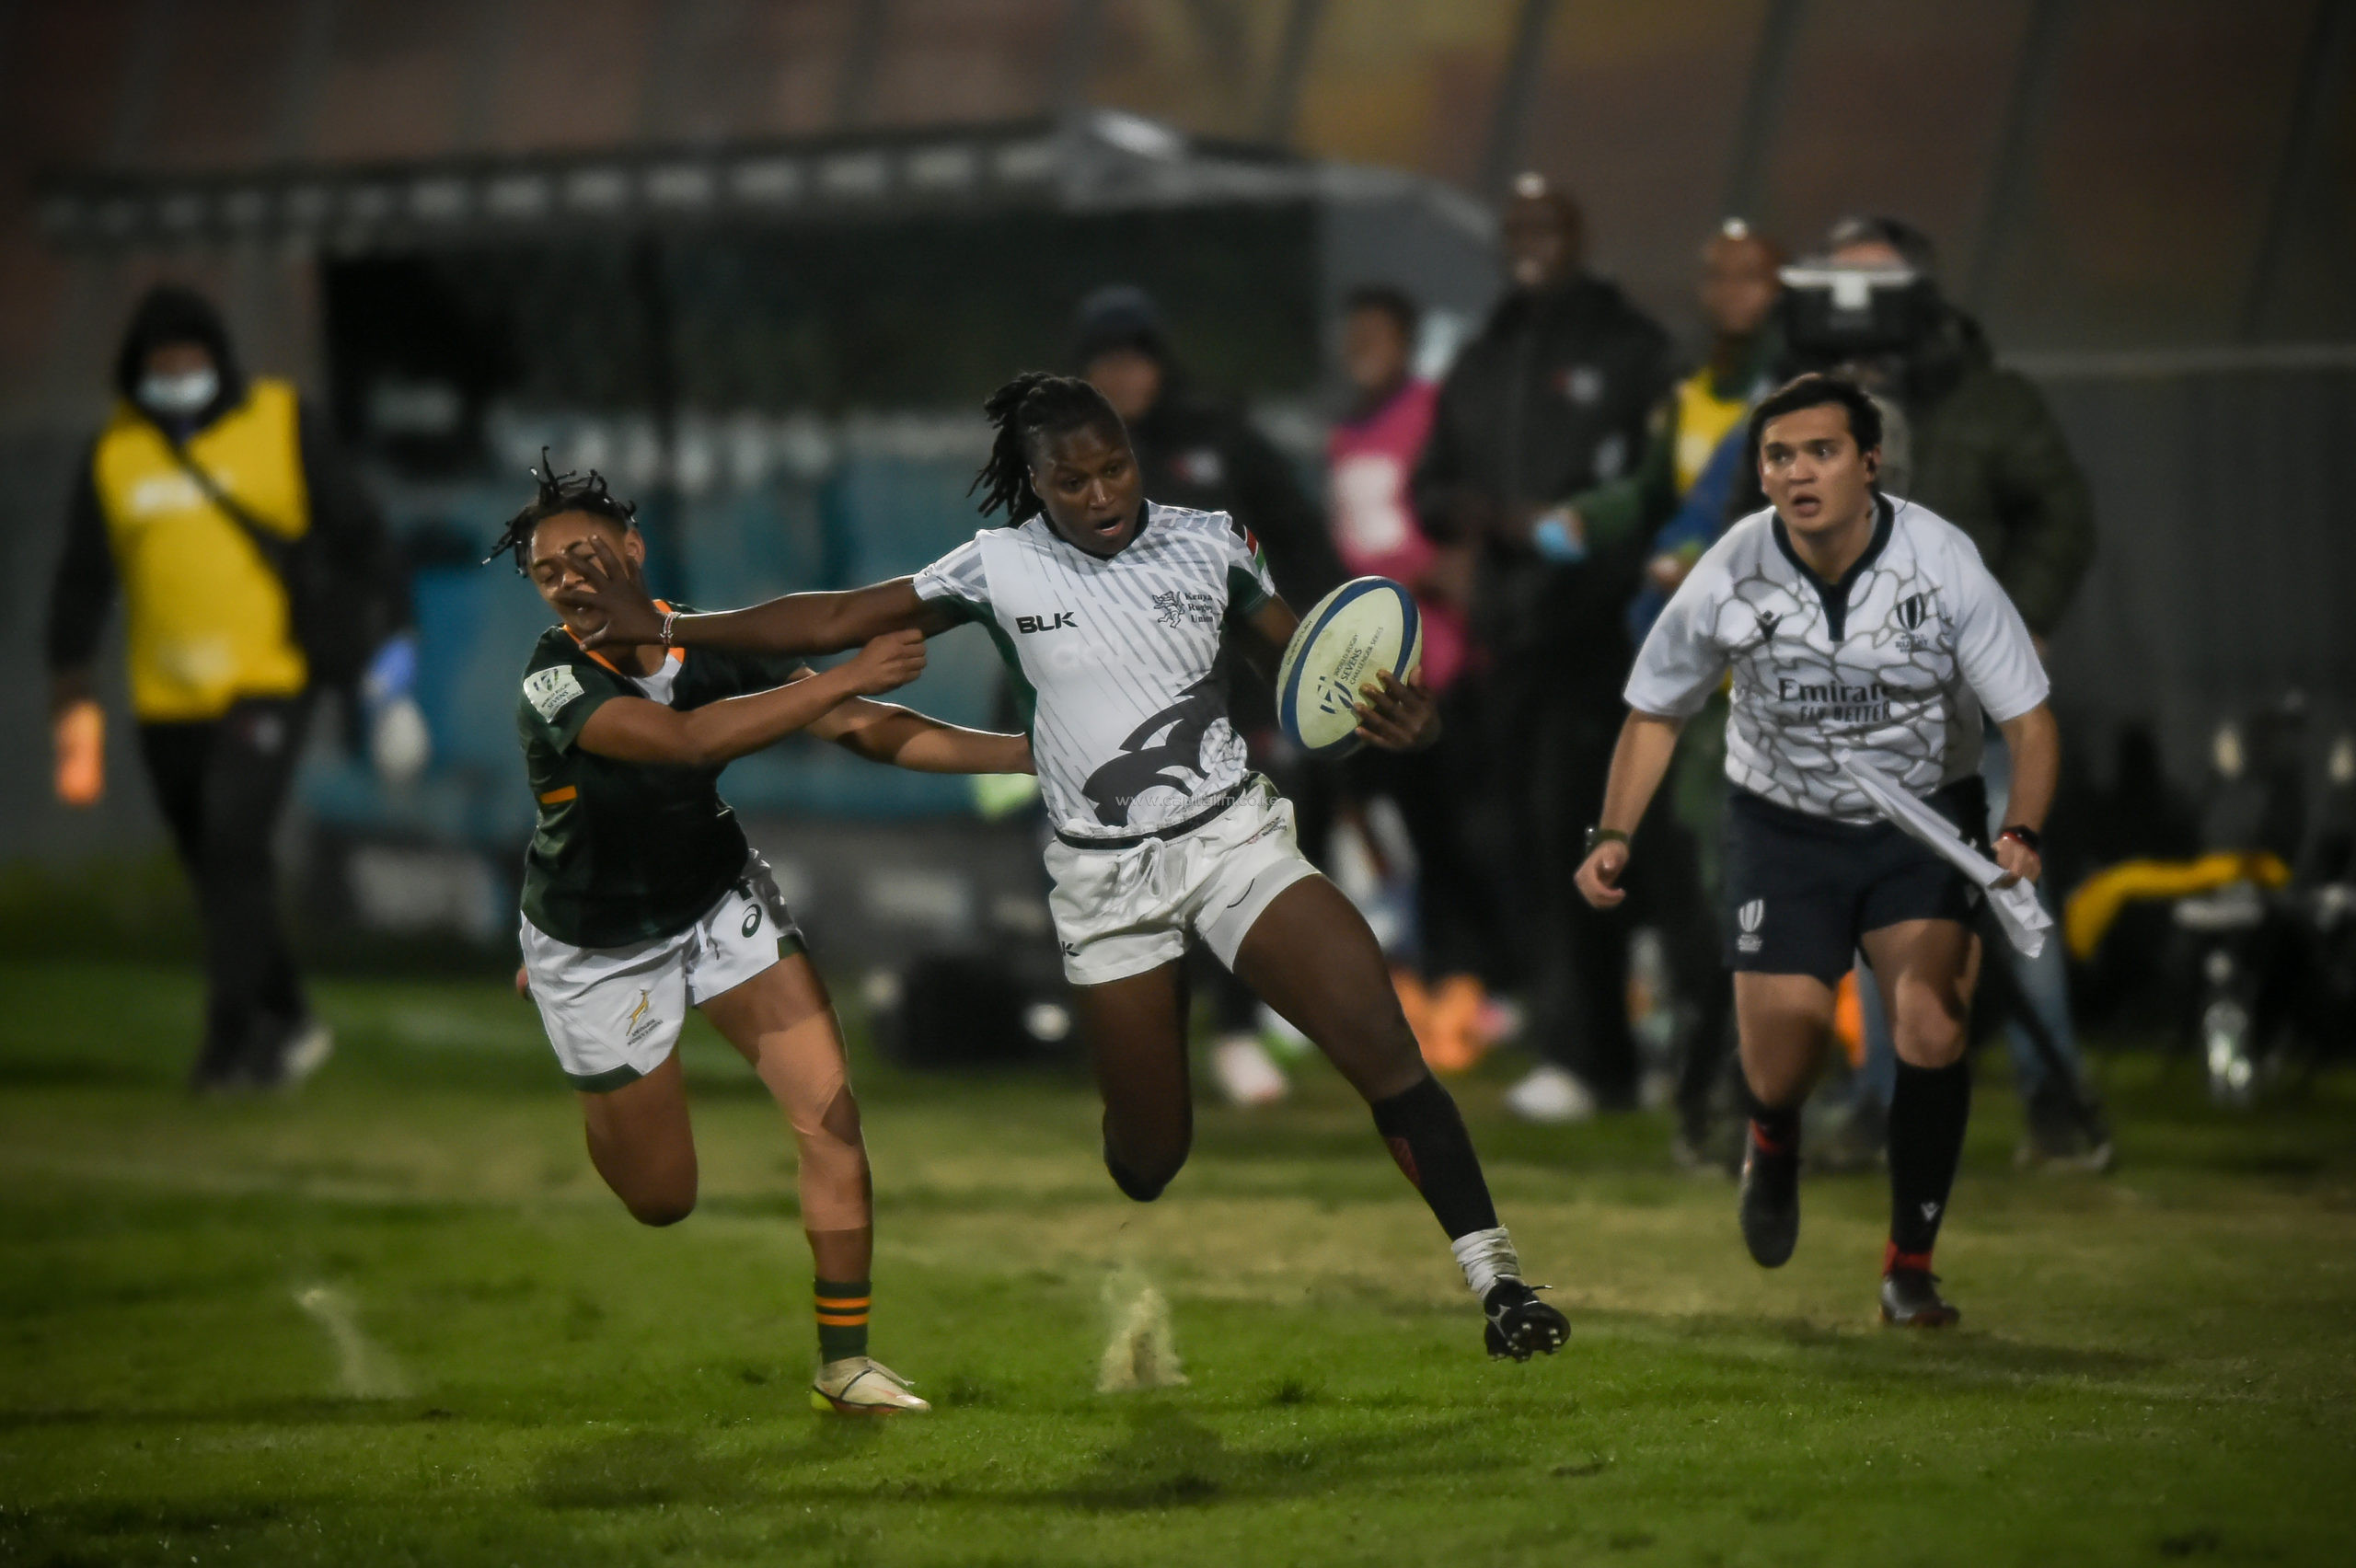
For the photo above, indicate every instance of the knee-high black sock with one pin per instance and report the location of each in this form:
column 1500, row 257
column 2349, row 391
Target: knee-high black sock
column 1927, row 1113
column 1428, row 1140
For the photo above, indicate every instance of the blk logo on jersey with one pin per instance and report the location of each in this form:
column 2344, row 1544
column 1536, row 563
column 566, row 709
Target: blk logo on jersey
column 1751, row 916
column 1767, row 619
column 1061, row 621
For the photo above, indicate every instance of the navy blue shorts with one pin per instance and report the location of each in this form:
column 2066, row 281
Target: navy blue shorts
column 1800, row 889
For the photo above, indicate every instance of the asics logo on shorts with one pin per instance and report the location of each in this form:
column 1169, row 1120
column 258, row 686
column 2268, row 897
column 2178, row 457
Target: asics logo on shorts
column 1751, row 916
column 752, row 920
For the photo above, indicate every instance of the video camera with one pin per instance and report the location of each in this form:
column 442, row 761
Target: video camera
column 1833, row 316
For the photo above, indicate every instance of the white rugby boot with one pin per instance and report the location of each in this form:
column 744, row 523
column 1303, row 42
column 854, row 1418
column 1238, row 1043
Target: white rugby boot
column 861, row 1385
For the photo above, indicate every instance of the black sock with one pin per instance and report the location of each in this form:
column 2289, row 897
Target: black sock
column 1927, row 1112
column 1775, row 1132
column 1428, row 1140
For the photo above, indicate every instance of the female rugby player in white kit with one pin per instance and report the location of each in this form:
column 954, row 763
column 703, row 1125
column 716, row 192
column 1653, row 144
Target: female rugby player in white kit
column 1860, row 626
column 1109, row 610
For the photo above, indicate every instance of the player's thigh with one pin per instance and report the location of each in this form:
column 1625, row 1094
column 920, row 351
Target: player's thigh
column 1926, row 969
column 1781, row 1022
column 780, row 999
column 642, row 1144
column 1312, row 957
column 1136, row 1031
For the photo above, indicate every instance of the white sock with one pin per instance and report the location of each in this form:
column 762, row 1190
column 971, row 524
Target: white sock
column 1486, row 1257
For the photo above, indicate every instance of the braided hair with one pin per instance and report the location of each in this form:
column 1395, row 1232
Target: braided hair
column 557, row 494
column 1034, row 407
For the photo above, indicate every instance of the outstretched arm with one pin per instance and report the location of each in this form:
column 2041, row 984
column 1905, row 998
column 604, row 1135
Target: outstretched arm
column 1638, row 763
column 798, row 623
column 633, row 729
column 886, row 732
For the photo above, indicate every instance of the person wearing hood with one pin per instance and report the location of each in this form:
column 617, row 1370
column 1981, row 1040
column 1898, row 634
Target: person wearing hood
column 1549, row 400
column 253, row 570
column 1197, row 452
column 1976, row 444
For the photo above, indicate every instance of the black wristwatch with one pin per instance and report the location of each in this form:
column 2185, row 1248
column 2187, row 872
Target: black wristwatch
column 1599, row 836
column 2029, row 837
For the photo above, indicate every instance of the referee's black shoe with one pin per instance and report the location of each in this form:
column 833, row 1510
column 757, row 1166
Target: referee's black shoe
column 1770, row 1200
column 1911, row 1300
column 1522, row 1326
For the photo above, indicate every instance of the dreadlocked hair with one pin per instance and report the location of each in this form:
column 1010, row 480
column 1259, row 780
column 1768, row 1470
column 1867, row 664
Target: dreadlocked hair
column 1033, row 406
column 554, row 495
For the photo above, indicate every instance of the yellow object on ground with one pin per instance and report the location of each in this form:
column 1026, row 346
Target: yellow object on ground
column 2087, row 916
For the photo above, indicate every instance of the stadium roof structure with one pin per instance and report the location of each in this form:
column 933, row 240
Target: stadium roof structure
column 1096, row 160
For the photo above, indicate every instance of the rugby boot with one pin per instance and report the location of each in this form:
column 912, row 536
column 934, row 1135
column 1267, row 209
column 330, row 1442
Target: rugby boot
column 1520, row 1325
column 859, row 1385
column 1911, row 1300
column 1770, row 1201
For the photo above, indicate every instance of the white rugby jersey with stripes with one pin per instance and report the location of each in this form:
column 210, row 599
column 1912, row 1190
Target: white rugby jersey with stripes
column 1129, row 727
column 1895, row 662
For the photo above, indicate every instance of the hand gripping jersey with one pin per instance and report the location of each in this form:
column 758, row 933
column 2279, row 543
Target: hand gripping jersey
column 1129, row 720
column 1894, row 663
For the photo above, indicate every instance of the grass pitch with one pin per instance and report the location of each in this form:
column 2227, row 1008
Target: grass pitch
column 397, row 1320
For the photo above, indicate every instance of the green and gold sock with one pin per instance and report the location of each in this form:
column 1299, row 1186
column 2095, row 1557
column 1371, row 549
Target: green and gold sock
column 842, row 1317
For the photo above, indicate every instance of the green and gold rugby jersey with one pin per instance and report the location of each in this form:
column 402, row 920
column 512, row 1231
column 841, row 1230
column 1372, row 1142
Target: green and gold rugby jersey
column 625, row 851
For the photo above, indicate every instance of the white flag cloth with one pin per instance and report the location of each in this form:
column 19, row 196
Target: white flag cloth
column 2017, row 910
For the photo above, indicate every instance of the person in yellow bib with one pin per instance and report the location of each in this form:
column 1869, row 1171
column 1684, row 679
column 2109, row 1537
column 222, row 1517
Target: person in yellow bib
column 253, row 569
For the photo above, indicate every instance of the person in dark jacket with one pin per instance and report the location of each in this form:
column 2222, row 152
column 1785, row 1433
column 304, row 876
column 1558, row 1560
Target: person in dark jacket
column 1197, row 452
column 1549, row 400
column 197, row 459
column 1976, row 443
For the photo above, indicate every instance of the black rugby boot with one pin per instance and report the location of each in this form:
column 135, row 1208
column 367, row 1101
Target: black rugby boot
column 1520, row 1325
column 1911, row 1300
column 1771, row 1199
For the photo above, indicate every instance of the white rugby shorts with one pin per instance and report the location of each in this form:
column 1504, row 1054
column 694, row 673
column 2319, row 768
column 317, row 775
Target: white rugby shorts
column 613, row 1014
column 1121, row 912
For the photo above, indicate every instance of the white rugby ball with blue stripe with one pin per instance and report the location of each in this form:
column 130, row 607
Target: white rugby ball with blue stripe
column 1367, row 626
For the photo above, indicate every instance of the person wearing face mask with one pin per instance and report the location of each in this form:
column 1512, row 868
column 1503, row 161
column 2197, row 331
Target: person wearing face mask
column 253, row 570
column 1548, row 401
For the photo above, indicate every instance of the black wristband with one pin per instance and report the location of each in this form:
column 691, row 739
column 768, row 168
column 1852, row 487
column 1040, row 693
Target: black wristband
column 2030, row 839
column 1599, row 836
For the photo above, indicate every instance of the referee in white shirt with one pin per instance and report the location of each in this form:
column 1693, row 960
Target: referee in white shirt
column 1862, row 627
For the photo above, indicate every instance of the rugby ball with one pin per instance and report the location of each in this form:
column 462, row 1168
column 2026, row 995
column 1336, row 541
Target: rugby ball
column 1365, row 626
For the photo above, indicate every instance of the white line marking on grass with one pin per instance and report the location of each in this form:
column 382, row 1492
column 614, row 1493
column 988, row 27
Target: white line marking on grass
column 366, row 1368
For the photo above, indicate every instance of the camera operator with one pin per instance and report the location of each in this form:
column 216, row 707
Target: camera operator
column 1975, row 443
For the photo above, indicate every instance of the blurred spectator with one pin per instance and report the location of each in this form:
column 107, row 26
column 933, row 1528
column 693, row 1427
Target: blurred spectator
column 254, row 571
column 1194, row 451
column 1547, row 402
column 1664, row 501
column 1977, row 444
column 1371, row 458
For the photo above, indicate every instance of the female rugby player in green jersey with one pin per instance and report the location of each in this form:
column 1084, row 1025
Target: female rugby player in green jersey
column 641, row 899
column 1111, row 611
